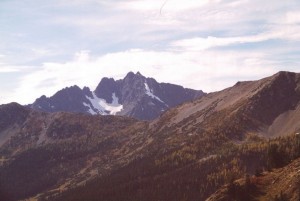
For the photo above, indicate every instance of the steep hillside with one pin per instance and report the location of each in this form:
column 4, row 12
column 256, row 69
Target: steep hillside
column 282, row 184
column 185, row 154
column 262, row 106
column 183, row 175
column 41, row 151
column 10, row 116
column 199, row 146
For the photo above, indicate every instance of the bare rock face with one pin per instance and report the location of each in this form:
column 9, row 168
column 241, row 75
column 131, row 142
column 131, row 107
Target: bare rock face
column 134, row 96
column 69, row 99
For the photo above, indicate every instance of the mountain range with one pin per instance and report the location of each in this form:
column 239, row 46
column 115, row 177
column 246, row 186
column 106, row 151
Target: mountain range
column 134, row 96
column 223, row 145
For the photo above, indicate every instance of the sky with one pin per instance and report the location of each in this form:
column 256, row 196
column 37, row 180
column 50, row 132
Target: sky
column 200, row 44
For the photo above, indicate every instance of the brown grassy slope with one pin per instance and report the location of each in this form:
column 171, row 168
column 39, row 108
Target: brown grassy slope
column 254, row 106
column 178, row 141
column 42, row 151
column 283, row 183
column 209, row 128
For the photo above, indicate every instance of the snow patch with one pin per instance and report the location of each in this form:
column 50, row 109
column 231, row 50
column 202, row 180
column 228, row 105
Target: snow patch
column 113, row 107
column 91, row 111
column 102, row 107
column 149, row 92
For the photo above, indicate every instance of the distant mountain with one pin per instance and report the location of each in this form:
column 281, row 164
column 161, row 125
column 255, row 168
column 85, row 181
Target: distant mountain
column 199, row 146
column 134, row 96
column 187, row 153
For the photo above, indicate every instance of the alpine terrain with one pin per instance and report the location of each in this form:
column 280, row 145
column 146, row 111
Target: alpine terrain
column 134, row 96
column 241, row 143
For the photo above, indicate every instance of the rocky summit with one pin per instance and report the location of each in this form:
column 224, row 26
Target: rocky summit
column 134, row 96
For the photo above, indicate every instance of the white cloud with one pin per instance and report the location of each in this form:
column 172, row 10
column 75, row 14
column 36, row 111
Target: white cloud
column 293, row 17
column 8, row 69
column 168, row 5
column 199, row 43
column 207, row 70
column 50, row 33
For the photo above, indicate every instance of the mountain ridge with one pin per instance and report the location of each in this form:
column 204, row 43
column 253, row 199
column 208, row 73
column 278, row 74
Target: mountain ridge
column 195, row 147
column 242, row 105
column 134, row 96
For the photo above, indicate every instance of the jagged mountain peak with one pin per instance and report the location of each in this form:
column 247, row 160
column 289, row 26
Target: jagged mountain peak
column 75, row 87
column 134, row 81
column 135, row 96
column 198, row 144
column 105, row 88
column 131, row 75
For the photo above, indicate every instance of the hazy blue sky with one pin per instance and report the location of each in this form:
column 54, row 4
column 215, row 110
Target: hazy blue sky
column 201, row 44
